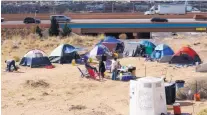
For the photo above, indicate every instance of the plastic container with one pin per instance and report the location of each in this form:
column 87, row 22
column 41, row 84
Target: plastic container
column 149, row 97
column 170, row 93
column 179, row 84
column 197, row 97
column 176, row 109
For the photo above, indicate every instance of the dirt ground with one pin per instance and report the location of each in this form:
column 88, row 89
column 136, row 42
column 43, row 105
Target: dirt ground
column 66, row 93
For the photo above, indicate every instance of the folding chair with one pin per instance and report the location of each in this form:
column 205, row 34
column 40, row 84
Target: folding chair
column 108, row 65
column 92, row 73
column 83, row 74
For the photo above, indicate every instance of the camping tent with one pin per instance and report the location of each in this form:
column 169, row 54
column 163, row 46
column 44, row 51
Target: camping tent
column 185, row 55
column 149, row 46
column 112, row 44
column 201, row 68
column 98, row 51
column 161, row 52
column 35, row 58
column 64, row 53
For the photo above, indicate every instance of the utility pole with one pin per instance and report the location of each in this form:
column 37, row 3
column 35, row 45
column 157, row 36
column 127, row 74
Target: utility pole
column 112, row 6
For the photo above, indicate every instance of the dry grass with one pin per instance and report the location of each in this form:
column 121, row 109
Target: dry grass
column 39, row 83
column 20, row 41
column 203, row 112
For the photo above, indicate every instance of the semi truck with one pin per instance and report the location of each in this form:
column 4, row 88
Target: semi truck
column 167, row 9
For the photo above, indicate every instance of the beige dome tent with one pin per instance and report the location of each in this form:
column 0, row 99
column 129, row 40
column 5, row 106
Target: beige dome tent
column 201, row 68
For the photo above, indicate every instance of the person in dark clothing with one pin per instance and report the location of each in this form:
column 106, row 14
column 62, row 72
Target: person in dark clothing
column 142, row 50
column 102, row 68
column 10, row 63
column 87, row 65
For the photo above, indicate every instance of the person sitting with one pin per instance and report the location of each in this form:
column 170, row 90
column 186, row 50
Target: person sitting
column 87, row 65
column 10, row 63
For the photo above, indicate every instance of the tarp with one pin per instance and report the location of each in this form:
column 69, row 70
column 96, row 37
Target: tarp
column 185, row 55
column 130, row 49
column 201, row 68
column 149, row 46
column 35, row 58
column 111, row 39
column 161, row 51
column 112, row 44
column 64, row 53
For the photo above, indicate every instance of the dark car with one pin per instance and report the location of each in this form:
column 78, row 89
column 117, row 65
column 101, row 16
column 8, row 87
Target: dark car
column 2, row 19
column 28, row 20
column 159, row 20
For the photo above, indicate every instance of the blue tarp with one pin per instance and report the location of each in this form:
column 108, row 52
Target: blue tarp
column 111, row 39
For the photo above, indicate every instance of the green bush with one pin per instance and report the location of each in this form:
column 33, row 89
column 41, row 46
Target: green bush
column 53, row 31
column 66, row 30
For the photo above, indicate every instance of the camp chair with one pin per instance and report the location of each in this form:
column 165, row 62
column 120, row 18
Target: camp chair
column 108, row 65
column 92, row 73
column 83, row 74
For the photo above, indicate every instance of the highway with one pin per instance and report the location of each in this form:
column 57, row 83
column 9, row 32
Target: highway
column 110, row 21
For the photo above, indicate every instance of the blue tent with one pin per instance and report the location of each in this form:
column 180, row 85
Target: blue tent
column 98, row 51
column 149, row 46
column 161, row 51
column 147, row 43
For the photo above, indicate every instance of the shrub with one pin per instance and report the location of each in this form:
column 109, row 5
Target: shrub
column 66, row 30
column 122, row 36
column 53, row 31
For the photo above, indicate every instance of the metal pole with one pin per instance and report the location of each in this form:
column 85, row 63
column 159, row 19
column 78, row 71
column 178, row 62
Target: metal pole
column 196, row 87
column 145, row 70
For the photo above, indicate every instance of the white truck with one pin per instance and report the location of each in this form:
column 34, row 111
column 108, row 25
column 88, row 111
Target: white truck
column 167, row 9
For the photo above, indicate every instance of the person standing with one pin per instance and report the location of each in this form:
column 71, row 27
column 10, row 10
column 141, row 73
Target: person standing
column 114, row 67
column 102, row 68
column 10, row 63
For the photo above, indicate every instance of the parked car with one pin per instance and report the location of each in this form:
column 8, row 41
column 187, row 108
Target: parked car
column 28, row 20
column 2, row 19
column 159, row 20
column 61, row 18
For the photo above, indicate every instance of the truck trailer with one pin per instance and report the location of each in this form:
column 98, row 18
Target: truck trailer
column 167, row 9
